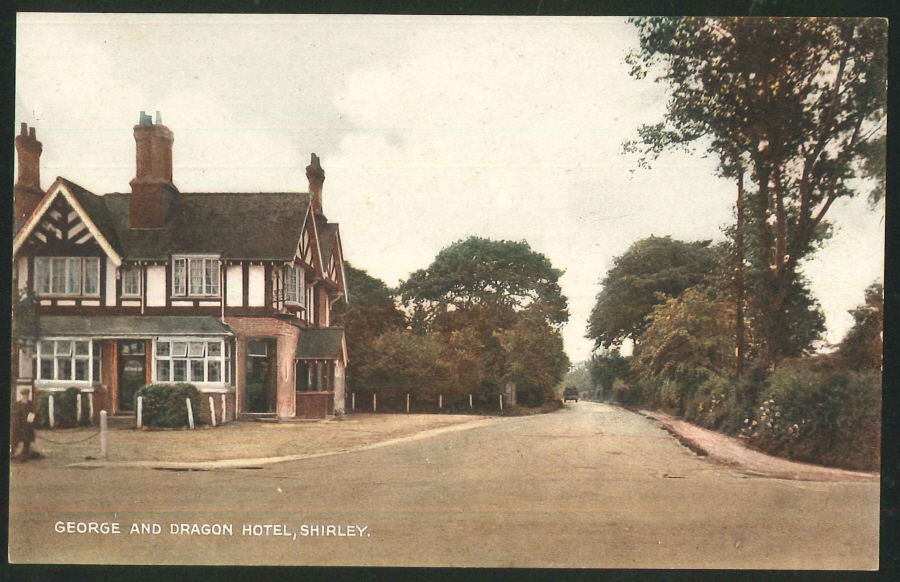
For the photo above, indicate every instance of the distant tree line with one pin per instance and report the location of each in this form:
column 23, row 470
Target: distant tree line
column 485, row 313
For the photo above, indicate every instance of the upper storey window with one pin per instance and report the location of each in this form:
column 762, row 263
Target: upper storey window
column 195, row 276
column 131, row 282
column 67, row 275
column 294, row 282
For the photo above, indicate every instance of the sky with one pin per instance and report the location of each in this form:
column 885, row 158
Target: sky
column 430, row 130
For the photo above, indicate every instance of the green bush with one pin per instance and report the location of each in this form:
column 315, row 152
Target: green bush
column 65, row 409
column 638, row 392
column 826, row 418
column 722, row 403
column 164, row 405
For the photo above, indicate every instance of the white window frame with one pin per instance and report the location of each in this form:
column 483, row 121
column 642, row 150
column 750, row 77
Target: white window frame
column 56, row 345
column 130, row 271
column 196, row 349
column 66, row 276
column 207, row 267
column 294, row 284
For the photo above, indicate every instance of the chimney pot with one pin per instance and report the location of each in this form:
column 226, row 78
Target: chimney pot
column 24, row 128
column 32, row 133
column 158, row 118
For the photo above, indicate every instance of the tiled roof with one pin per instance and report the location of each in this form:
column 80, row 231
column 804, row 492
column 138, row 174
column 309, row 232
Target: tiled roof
column 320, row 343
column 130, row 325
column 264, row 226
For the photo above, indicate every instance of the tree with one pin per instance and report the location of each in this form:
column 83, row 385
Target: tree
column 689, row 338
column 498, row 307
column 862, row 348
column 371, row 313
column 499, row 277
column 606, row 368
column 798, row 104
column 651, row 271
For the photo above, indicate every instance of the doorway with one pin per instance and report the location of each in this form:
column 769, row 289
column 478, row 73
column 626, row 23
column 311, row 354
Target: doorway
column 132, row 372
column 261, row 375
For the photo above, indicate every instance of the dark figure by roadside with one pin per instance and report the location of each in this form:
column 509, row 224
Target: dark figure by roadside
column 22, row 429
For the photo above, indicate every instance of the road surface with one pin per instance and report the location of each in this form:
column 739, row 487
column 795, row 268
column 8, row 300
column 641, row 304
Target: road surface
column 590, row 486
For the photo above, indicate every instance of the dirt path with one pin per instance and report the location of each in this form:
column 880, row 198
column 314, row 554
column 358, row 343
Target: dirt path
column 734, row 453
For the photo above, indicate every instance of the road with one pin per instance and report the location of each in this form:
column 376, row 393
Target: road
column 590, row 486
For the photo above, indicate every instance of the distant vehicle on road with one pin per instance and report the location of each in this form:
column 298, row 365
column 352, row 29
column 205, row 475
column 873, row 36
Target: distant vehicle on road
column 570, row 393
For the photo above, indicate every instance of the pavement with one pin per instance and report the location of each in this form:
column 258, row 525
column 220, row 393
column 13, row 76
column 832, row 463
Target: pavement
column 591, row 486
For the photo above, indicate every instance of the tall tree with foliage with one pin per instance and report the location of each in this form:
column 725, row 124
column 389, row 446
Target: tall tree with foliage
column 498, row 307
column 796, row 104
column 371, row 313
column 651, row 271
column 863, row 346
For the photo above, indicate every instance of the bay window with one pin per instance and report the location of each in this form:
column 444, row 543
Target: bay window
column 67, row 275
column 68, row 360
column 192, row 360
column 195, row 276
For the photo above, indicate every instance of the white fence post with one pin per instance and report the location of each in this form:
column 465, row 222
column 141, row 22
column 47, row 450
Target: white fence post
column 50, row 410
column 224, row 416
column 190, row 413
column 353, row 401
column 440, row 401
column 470, row 402
column 91, row 405
column 374, row 402
column 78, row 408
column 407, row 403
column 501, row 402
column 140, row 411
column 103, row 434
column 212, row 411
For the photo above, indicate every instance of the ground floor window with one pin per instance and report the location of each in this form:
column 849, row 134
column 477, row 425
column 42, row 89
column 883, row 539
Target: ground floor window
column 73, row 360
column 193, row 360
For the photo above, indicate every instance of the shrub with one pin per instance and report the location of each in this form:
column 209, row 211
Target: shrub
column 637, row 392
column 164, row 405
column 831, row 419
column 722, row 403
column 65, row 409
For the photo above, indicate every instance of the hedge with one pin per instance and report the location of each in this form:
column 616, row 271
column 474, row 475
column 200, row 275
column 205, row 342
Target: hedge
column 164, row 405
column 65, row 409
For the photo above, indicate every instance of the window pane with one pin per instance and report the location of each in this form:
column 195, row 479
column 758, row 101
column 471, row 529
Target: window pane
column 131, row 285
column 178, row 277
column 256, row 347
column 81, row 348
column 81, row 369
column 212, row 277
column 163, row 349
column 97, row 376
column 196, row 350
column 91, row 276
column 57, row 275
column 227, row 372
column 179, row 370
column 179, row 349
column 46, row 348
column 214, row 367
column 73, row 276
column 64, row 348
column 197, row 371
column 63, row 368
column 163, row 367
column 46, row 368
column 214, row 349
column 42, row 274
column 196, row 276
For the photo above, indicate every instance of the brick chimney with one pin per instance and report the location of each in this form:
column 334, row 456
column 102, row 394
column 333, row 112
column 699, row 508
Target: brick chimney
column 27, row 191
column 152, row 190
column 316, row 176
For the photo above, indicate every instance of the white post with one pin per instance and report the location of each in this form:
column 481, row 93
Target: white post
column 407, row 403
column 190, row 413
column 91, row 405
column 103, row 434
column 50, row 410
column 223, row 409
column 78, row 408
column 212, row 411
column 374, row 402
column 440, row 401
column 140, row 411
column 470, row 401
column 353, row 400
column 501, row 402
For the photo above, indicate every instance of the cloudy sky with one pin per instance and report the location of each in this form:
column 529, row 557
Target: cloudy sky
column 430, row 130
